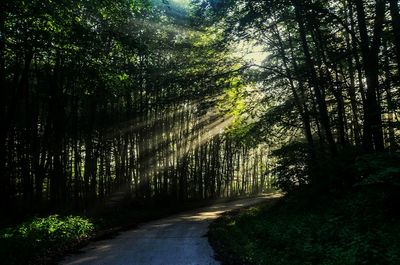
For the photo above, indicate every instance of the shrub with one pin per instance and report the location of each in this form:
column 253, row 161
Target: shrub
column 20, row 244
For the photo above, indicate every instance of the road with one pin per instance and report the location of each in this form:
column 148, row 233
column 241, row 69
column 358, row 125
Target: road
column 177, row 240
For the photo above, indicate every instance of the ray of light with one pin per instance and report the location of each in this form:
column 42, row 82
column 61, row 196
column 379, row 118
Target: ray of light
column 198, row 139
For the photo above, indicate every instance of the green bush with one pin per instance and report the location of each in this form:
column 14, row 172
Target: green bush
column 31, row 240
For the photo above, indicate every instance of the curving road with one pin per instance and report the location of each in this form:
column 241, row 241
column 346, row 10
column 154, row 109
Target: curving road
column 176, row 240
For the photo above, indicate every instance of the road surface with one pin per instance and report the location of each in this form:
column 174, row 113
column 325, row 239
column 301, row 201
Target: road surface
column 177, row 240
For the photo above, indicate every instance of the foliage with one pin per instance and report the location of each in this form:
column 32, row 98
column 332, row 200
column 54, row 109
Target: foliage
column 295, row 168
column 20, row 244
column 107, row 97
column 292, row 167
column 381, row 168
column 326, row 64
column 341, row 230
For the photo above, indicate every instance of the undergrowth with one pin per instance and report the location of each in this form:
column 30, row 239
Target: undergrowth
column 31, row 242
column 358, row 227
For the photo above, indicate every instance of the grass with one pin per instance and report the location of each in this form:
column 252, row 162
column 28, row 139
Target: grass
column 358, row 227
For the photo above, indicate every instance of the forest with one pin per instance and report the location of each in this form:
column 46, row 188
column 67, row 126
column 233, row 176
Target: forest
column 108, row 96
column 166, row 102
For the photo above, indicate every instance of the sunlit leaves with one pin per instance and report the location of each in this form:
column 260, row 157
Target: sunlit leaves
column 41, row 235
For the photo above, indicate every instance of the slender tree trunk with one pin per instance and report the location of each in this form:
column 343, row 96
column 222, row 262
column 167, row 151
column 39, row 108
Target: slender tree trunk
column 395, row 14
column 373, row 135
column 300, row 100
column 4, row 176
column 58, row 177
column 389, row 100
column 352, row 94
column 322, row 108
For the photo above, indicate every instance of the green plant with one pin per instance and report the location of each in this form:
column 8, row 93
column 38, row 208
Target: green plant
column 18, row 245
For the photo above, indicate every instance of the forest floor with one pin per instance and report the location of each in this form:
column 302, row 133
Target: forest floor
column 179, row 239
column 360, row 226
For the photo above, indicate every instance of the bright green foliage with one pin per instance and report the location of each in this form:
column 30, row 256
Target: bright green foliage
column 41, row 235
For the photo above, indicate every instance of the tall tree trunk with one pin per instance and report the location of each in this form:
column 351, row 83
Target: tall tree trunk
column 389, row 100
column 58, row 178
column 4, row 177
column 373, row 135
column 322, row 108
column 352, row 88
column 299, row 99
column 394, row 12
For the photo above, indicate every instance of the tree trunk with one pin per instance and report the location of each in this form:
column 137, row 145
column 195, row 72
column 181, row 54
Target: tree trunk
column 322, row 108
column 394, row 12
column 373, row 135
column 299, row 100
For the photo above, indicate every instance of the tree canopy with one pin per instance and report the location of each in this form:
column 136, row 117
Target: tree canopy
column 163, row 99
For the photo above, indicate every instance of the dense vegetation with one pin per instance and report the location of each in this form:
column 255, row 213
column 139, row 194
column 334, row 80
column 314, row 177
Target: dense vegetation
column 157, row 102
column 345, row 230
column 31, row 242
column 108, row 97
column 331, row 91
column 331, row 78
column 357, row 226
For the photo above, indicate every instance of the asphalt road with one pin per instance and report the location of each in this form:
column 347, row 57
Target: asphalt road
column 177, row 240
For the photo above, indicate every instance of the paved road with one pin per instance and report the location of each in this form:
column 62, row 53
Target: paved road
column 176, row 240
